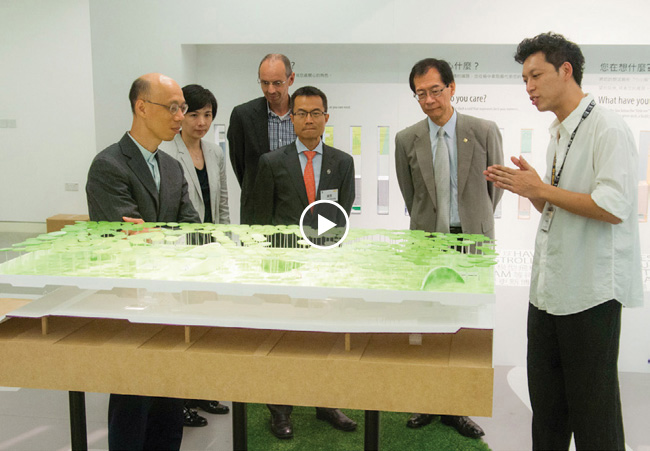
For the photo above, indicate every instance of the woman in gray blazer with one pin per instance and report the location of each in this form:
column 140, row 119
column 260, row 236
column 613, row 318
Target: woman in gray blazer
column 204, row 168
column 203, row 162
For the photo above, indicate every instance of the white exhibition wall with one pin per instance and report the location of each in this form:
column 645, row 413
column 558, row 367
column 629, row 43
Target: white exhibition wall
column 46, row 89
column 66, row 68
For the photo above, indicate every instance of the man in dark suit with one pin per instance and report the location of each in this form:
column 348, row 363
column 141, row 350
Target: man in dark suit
column 260, row 126
column 131, row 181
column 288, row 180
column 440, row 163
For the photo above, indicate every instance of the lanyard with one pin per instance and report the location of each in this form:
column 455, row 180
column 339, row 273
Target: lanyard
column 555, row 178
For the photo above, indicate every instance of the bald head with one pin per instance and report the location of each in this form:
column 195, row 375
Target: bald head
column 277, row 57
column 158, row 108
column 149, row 85
column 275, row 77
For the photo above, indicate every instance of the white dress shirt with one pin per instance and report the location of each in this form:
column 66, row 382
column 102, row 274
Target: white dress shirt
column 580, row 262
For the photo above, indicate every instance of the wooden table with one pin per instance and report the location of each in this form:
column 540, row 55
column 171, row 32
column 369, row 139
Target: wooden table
column 452, row 372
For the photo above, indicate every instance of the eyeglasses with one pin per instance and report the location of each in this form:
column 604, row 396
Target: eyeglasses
column 266, row 84
column 433, row 92
column 173, row 108
column 302, row 114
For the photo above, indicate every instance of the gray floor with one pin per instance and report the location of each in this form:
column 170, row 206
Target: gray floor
column 38, row 419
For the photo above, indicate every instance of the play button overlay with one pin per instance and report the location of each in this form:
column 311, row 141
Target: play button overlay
column 327, row 233
column 324, row 225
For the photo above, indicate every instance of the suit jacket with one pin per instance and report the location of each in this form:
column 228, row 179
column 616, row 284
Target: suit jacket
column 248, row 139
column 120, row 184
column 280, row 194
column 479, row 146
column 216, row 167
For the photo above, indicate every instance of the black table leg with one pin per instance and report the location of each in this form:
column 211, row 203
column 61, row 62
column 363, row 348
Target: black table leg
column 371, row 431
column 79, row 438
column 239, row 428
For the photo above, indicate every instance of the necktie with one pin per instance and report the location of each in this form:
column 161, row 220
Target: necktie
column 441, row 175
column 155, row 170
column 310, row 183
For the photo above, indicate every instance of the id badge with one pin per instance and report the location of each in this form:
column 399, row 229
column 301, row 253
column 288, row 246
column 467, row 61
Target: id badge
column 330, row 194
column 547, row 217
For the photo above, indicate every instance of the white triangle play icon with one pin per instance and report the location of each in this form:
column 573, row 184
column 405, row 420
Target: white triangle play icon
column 324, row 225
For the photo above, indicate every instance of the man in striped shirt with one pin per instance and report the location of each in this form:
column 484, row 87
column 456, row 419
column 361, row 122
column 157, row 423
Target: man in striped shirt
column 260, row 126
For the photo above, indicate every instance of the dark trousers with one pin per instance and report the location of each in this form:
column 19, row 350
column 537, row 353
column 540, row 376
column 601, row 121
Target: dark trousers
column 573, row 378
column 144, row 423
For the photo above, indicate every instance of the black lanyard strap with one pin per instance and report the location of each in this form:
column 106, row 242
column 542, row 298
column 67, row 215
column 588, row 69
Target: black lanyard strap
column 555, row 178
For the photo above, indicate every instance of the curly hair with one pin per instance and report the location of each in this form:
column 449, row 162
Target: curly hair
column 556, row 49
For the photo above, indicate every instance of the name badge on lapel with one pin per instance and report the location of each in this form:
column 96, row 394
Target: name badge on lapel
column 330, row 194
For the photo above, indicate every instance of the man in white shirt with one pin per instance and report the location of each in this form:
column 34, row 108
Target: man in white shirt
column 587, row 252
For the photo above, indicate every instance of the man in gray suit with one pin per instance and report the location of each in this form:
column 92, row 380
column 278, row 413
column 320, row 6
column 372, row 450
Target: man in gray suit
column 440, row 163
column 131, row 181
column 260, row 126
column 290, row 179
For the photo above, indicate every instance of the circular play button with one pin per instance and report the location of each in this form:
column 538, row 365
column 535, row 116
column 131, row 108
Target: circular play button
column 323, row 226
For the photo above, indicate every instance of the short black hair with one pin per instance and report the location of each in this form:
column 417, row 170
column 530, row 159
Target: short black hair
column 140, row 87
column 308, row 91
column 556, row 49
column 197, row 97
column 423, row 66
column 277, row 56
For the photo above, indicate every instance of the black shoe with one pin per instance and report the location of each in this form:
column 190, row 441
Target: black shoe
column 281, row 426
column 214, row 407
column 464, row 425
column 418, row 420
column 192, row 419
column 336, row 418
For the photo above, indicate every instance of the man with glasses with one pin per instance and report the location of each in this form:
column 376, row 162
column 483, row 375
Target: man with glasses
column 288, row 181
column 260, row 125
column 132, row 181
column 440, row 163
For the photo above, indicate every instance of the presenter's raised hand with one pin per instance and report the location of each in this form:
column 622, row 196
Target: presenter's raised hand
column 522, row 180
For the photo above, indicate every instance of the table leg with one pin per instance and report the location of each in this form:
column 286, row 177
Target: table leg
column 79, row 438
column 371, row 431
column 239, row 427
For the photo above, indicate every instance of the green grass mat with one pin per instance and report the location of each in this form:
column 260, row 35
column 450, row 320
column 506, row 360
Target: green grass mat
column 310, row 434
